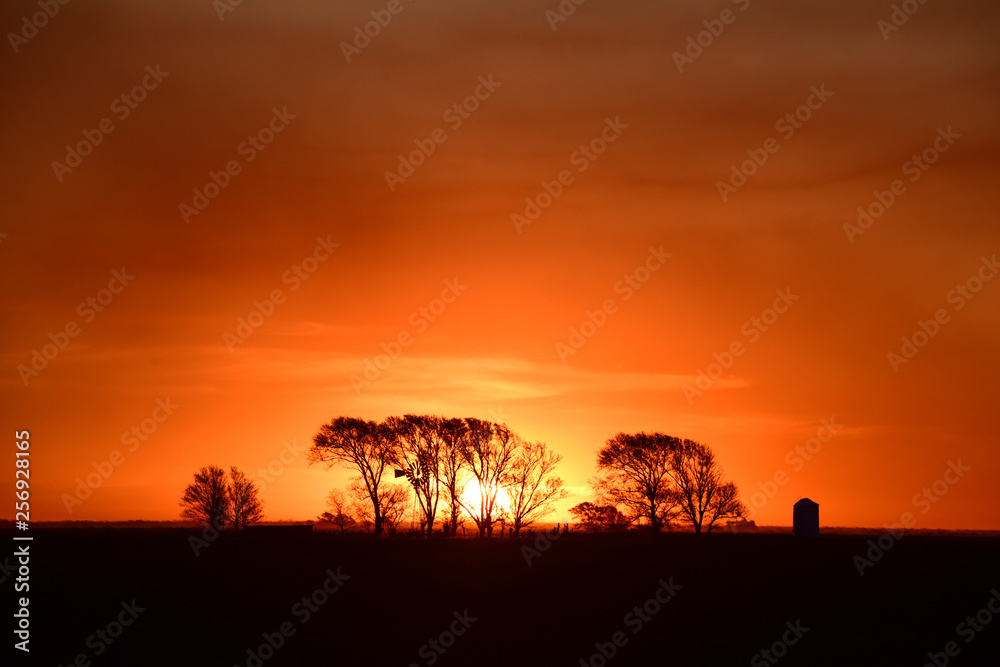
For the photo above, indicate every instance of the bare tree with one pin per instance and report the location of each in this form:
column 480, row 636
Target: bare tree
column 339, row 514
column 419, row 446
column 532, row 485
column 207, row 498
column 393, row 500
column 634, row 474
column 453, row 474
column 726, row 505
column 245, row 505
column 704, row 498
column 488, row 451
column 365, row 447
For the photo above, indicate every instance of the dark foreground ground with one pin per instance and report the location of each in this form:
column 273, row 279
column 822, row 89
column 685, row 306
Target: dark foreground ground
column 739, row 595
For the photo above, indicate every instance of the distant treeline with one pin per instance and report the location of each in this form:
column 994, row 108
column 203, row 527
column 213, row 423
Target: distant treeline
column 459, row 467
column 467, row 467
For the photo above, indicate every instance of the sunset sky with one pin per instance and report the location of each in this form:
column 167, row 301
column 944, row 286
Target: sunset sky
column 355, row 255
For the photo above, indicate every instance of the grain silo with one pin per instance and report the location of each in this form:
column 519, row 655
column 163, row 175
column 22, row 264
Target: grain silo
column 805, row 518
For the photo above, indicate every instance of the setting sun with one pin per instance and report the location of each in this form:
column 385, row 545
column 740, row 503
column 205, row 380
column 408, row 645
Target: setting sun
column 478, row 300
column 474, row 495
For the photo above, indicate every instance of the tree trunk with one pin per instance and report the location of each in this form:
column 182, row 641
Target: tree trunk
column 654, row 521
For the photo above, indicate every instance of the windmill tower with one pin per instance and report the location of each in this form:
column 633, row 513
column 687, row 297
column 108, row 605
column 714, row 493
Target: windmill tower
column 415, row 475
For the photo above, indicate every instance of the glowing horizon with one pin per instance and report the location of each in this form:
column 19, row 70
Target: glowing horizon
column 489, row 212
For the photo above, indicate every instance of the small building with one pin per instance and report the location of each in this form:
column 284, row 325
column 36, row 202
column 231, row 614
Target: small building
column 805, row 518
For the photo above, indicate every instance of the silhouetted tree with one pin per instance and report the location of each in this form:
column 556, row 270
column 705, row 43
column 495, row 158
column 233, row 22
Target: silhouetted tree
column 393, row 500
column 338, row 514
column 634, row 474
column 703, row 497
column 207, row 498
column 245, row 505
column 419, row 445
column 363, row 446
column 488, row 451
column 453, row 476
column 599, row 517
column 531, row 484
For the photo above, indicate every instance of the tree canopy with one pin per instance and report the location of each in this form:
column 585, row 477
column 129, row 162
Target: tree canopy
column 657, row 478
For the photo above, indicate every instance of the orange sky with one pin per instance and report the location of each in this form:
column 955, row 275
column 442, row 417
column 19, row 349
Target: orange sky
column 492, row 352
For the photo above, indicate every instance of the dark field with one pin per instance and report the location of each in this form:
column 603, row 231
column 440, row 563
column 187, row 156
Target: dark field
column 738, row 592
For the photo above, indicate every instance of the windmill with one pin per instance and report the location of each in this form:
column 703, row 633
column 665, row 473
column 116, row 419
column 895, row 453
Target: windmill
column 415, row 474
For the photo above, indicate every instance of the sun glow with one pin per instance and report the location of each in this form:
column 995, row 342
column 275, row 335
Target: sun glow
column 472, row 498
